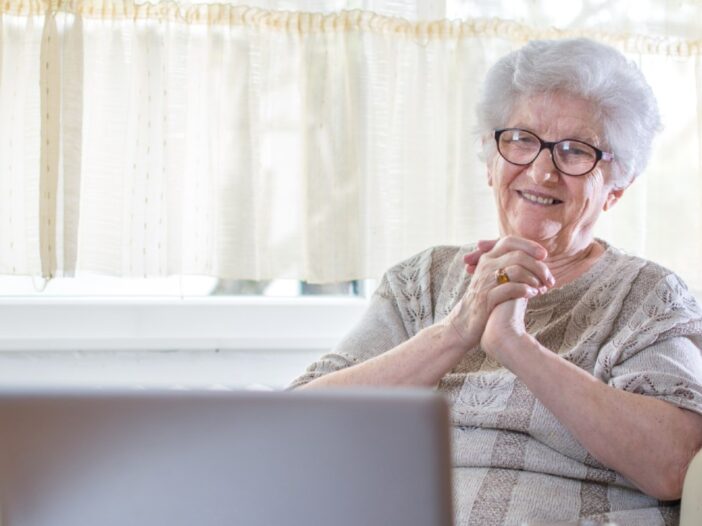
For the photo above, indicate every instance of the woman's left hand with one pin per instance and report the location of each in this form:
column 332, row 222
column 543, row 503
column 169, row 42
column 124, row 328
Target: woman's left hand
column 505, row 329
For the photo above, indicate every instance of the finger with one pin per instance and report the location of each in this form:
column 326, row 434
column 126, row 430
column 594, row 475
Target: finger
column 483, row 246
column 486, row 245
column 509, row 291
column 521, row 259
column 512, row 243
column 472, row 258
column 519, row 274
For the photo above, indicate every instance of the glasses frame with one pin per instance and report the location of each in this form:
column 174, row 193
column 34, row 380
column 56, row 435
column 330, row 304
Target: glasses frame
column 600, row 155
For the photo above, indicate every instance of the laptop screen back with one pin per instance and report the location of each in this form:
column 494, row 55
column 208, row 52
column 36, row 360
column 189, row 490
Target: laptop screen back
column 209, row 458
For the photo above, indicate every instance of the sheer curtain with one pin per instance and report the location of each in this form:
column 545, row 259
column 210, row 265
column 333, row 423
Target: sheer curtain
column 315, row 140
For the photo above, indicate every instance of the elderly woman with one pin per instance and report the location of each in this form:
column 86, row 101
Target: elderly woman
column 573, row 369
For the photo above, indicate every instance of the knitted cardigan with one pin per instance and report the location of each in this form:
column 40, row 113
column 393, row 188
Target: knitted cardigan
column 629, row 322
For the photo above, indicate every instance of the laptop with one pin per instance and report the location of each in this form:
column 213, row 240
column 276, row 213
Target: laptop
column 332, row 458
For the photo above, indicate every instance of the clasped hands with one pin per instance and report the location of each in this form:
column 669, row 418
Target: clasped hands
column 491, row 313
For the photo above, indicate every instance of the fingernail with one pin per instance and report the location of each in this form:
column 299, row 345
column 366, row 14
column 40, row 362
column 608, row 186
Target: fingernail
column 532, row 291
column 552, row 280
column 543, row 290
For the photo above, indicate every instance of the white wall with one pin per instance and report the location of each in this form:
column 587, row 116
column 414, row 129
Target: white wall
column 205, row 369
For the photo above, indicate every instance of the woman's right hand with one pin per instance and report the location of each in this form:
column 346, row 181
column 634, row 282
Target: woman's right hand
column 523, row 262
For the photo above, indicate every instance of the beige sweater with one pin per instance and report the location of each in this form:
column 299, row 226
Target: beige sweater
column 627, row 321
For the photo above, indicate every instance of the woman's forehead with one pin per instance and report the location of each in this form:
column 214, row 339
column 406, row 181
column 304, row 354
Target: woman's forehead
column 555, row 116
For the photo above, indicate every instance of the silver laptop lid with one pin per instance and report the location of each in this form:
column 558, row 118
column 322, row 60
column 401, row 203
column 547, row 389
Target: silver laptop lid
column 208, row 458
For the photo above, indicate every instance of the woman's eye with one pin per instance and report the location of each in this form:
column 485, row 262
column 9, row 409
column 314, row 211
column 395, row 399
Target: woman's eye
column 523, row 139
column 574, row 150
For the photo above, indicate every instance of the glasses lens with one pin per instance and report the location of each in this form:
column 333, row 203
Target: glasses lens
column 574, row 157
column 518, row 146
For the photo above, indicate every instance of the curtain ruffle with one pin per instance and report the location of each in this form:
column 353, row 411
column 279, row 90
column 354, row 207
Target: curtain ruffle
column 304, row 23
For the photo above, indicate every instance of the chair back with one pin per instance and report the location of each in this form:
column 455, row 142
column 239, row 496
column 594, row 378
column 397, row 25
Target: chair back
column 691, row 503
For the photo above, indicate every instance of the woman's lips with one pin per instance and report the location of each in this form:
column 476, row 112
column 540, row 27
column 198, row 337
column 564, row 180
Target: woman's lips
column 538, row 199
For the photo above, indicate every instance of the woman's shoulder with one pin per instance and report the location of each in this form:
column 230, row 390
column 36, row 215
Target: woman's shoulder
column 650, row 282
column 434, row 259
column 648, row 313
column 423, row 273
column 647, row 273
column 415, row 284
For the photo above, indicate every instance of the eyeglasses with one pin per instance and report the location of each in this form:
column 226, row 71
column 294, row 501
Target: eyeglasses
column 570, row 156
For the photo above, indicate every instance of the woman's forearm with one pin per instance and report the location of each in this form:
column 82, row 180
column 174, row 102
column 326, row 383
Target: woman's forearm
column 648, row 441
column 420, row 361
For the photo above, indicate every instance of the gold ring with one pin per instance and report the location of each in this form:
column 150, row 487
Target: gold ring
column 501, row 276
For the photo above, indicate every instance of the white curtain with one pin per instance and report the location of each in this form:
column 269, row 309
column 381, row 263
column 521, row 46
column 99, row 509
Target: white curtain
column 249, row 142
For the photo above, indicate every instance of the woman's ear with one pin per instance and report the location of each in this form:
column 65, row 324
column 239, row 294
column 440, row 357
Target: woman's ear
column 488, row 156
column 617, row 190
column 613, row 196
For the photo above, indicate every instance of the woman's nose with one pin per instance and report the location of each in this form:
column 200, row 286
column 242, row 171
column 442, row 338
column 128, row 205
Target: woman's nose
column 542, row 170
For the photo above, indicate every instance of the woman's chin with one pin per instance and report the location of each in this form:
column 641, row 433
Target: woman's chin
column 539, row 233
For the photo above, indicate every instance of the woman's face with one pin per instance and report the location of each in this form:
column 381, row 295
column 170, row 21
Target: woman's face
column 565, row 226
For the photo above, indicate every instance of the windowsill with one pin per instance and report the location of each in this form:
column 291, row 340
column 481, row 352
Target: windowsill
column 128, row 323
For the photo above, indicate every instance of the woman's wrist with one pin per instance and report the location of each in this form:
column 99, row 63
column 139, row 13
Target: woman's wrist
column 455, row 339
column 515, row 350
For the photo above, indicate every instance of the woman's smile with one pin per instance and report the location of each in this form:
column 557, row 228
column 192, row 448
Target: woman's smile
column 536, row 198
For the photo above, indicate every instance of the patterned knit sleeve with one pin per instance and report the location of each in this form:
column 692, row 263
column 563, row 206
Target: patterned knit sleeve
column 659, row 350
column 379, row 330
column 400, row 307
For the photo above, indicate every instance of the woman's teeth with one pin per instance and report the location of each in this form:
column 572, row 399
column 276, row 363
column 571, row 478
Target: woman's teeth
column 536, row 199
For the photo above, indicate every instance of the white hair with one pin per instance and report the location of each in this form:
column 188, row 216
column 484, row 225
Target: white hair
column 625, row 105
